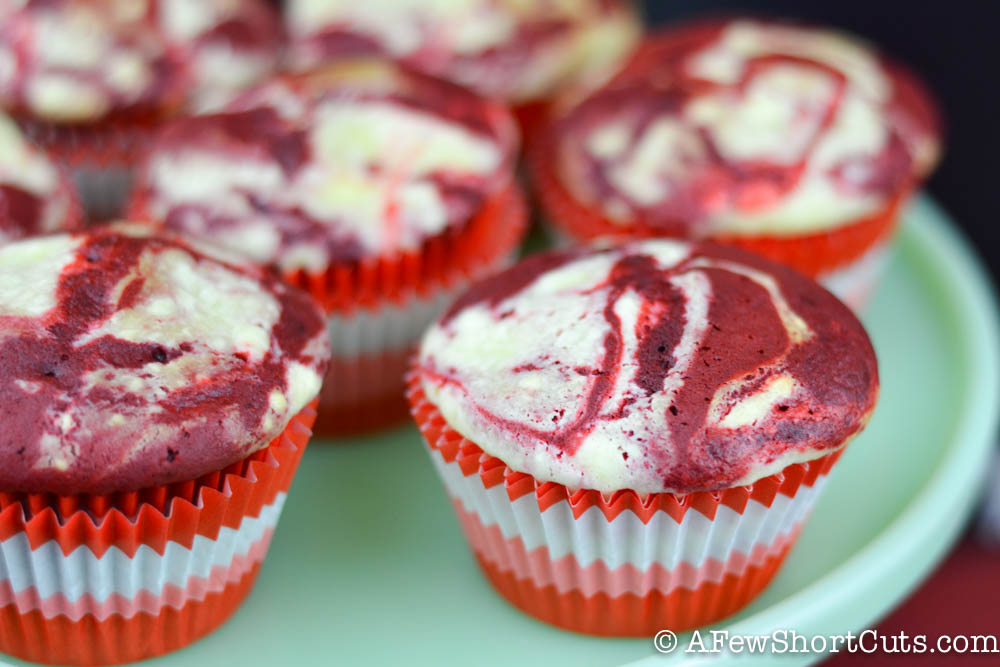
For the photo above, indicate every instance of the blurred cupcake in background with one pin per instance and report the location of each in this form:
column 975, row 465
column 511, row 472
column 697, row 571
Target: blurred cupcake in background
column 36, row 197
column 519, row 52
column 89, row 80
column 632, row 437
column 227, row 45
column 155, row 403
column 381, row 191
column 796, row 142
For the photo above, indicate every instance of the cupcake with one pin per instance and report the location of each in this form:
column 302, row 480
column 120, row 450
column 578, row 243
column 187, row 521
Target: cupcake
column 796, row 142
column 649, row 461
column 519, row 52
column 154, row 403
column 90, row 79
column 379, row 190
column 227, row 45
column 35, row 196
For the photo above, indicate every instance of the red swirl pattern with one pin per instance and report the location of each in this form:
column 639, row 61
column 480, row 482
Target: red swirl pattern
column 656, row 398
column 123, row 439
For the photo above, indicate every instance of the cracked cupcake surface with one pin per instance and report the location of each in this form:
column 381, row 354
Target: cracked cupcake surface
column 745, row 127
column 35, row 197
column 131, row 360
column 359, row 159
column 658, row 366
column 508, row 49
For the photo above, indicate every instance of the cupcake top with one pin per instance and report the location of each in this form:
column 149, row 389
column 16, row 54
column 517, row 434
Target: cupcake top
column 227, row 45
column 509, row 49
column 35, row 197
column 76, row 61
column 129, row 360
column 360, row 159
column 745, row 128
column 666, row 366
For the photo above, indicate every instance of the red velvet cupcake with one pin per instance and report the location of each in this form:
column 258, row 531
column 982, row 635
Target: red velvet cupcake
column 36, row 197
column 519, row 52
column 379, row 190
column 91, row 79
column 647, row 463
column 155, row 403
column 796, row 142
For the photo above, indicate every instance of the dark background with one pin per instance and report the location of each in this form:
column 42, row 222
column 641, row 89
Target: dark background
column 956, row 47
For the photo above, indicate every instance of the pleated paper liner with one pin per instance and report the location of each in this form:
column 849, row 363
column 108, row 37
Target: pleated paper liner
column 132, row 534
column 115, row 640
column 631, row 615
column 555, row 559
column 364, row 390
column 364, row 393
column 457, row 254
column 810, row 254
column 99, row 156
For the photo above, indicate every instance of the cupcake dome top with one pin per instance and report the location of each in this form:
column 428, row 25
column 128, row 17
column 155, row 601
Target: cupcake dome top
column 741, row 127
column 226, row 44
column 359, row 159
column 129, row 360
column 657, row 366
column 76, row 61
column 34, row 196
column 508, row 49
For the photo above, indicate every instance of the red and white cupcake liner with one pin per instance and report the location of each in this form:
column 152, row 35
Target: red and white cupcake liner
column 372, row 349
column 458, row 252
column 619, row 564
column 107, row 579
column 379, row 307
column 100, row 159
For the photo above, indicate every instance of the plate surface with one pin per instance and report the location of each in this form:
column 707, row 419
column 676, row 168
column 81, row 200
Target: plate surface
column 368, row 565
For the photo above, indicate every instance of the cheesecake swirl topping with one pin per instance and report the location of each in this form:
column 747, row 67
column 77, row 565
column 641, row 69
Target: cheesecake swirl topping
column 358, row 159
column 76, row 61
column 743, row 127
column 656, row 366
column 508, row 49
column 131, row 360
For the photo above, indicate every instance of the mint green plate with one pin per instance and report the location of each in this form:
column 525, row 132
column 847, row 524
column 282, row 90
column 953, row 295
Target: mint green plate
column 368, row 565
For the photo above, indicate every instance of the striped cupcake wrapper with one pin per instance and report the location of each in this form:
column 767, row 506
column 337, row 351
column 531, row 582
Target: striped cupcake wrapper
column 106, row 579
column 619, row 564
